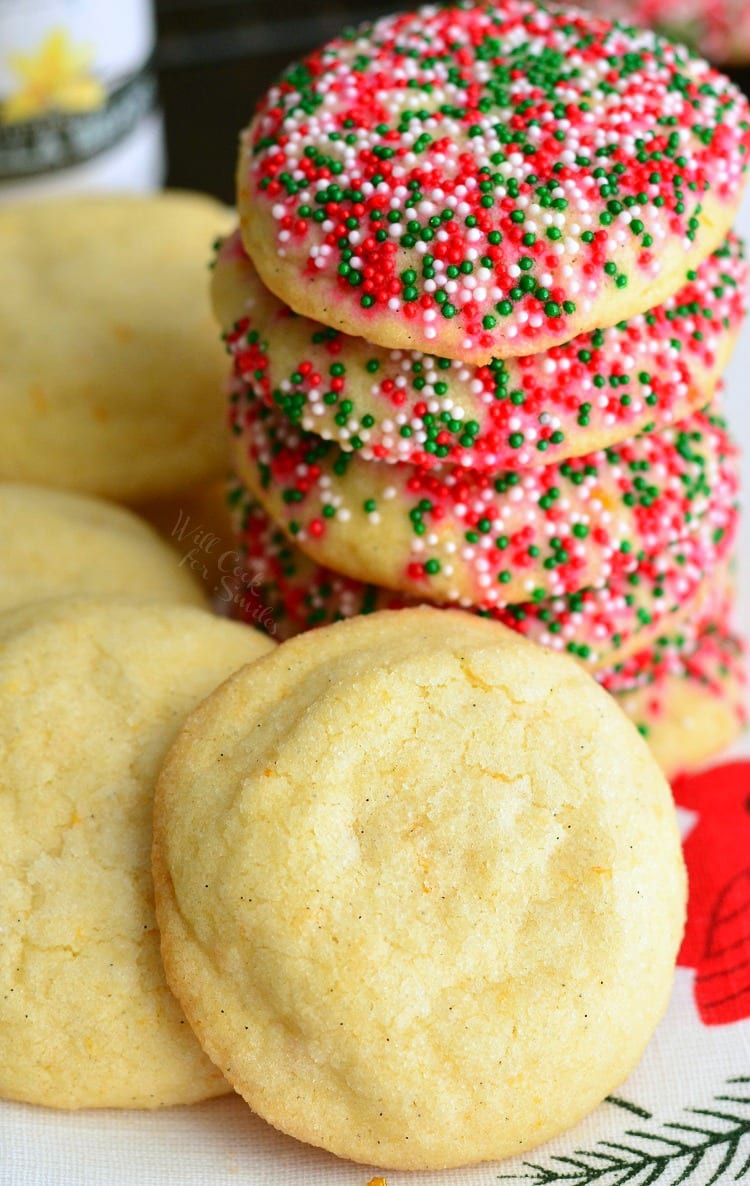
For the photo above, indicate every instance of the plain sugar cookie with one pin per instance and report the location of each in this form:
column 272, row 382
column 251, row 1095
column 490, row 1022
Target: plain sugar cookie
column 58, row 544
column 420, row 888
column 92, row 693
column 110, row 373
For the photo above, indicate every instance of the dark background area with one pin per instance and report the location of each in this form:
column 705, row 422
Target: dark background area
column 216, row 57
column 214, row 60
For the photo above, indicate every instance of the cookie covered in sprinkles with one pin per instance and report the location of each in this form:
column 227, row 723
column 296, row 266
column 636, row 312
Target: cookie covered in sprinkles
column 688, row 697
column 492, row 178
column 404, row 405
column 597, row 627
column 484, row 538
column 718, row 29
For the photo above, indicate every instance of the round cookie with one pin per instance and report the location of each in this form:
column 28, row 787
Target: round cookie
column 719, row 29
column 486, row 538
column 110, row 374
column 56, row 543
column 440, row 888
column 687, row 697
column 598, row 627
column 93, row 692
column 489, row 180
column 402, row 405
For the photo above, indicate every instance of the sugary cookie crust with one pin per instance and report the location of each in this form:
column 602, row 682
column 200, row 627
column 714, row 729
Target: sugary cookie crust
column 401, row 405
column 110, row 373
column 487, row 539
column 420, row 888
column 488, row 181
column 58, row 544
column 92, row 693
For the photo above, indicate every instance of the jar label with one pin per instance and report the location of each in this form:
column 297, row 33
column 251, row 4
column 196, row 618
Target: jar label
column 72, row 80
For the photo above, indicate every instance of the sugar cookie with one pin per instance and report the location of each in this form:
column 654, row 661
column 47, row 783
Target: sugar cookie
column 401, row 405
column 688, row 698
column 110, row 374
column 92, row 693
column 488, row 180
column 598, row 627
column 719, row 29
column 56, row 543
column 487, row 539
column 439, row 894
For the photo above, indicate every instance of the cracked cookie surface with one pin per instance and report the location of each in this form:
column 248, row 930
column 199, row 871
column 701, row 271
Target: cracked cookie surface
column 92, row 693
column 420, row 888
column 56, row 544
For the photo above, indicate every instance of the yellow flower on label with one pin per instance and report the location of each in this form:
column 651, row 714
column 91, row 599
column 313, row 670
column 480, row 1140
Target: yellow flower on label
column 56, row 77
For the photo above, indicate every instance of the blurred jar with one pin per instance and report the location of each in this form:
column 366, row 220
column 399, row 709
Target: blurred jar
column 78, row 97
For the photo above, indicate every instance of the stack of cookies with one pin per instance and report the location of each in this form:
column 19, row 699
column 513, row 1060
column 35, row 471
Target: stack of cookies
column 478, row 308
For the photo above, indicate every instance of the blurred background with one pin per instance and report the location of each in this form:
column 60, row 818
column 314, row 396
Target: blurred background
column 139, row 93
column 216, row 58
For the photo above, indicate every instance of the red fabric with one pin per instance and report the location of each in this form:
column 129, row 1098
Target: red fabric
column 717, row 853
